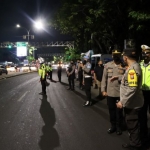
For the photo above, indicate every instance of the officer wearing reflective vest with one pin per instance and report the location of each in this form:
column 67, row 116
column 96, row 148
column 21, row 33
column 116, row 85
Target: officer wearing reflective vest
column 42, row 73
column 145, row 66
column 87, row 80
column 110, row 87
column 131, row 97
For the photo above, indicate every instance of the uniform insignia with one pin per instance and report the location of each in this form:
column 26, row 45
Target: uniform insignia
column 132, row 78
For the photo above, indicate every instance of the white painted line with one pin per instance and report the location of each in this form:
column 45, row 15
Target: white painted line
column 22, row 96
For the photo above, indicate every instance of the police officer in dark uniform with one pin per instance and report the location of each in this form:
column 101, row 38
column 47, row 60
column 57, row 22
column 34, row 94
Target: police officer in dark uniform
column 131, row 98
column 71, row 75
column 110, row 87
column 59, row 71
column 87, row 80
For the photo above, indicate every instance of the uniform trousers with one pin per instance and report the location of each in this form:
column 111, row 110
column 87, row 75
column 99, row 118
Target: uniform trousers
column 50, row 75
column 132, row 118
column 80, row 78
column 115, row 114
column 43, row 83
column 143, row 117
column 87, row 86
column 59, row 76
column 71, row 82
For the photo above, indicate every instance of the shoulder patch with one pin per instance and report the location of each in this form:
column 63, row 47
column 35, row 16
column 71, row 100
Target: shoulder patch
column 132, row 78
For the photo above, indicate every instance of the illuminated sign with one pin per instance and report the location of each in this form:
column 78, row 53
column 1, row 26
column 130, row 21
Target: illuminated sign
column 22, row 49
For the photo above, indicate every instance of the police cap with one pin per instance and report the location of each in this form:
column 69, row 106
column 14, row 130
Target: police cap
column 116, row 51
column 145, row 48
column 131, row 52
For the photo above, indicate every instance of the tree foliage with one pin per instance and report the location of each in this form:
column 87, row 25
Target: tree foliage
column 99, row 24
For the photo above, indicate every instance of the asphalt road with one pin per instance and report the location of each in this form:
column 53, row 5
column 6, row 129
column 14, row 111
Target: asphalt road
column 29, row 121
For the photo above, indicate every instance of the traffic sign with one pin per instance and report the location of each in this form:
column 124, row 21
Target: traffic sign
column 22, row 44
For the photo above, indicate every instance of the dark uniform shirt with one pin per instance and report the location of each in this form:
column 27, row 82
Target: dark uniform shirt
column 99, row 72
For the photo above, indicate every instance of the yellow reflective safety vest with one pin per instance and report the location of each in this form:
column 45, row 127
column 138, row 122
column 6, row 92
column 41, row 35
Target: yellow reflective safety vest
column 145, row 75
column 42, row 71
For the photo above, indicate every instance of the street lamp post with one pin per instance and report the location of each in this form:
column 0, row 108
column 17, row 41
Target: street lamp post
column 28, row 33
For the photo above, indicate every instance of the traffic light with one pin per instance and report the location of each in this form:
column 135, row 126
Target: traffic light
column 9, row 46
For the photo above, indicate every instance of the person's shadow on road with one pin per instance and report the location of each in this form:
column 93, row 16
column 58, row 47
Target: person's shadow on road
column 50, row 139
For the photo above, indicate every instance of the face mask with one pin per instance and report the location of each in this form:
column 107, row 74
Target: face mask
column 144, row 56
column 84, row 62
column 116, row 58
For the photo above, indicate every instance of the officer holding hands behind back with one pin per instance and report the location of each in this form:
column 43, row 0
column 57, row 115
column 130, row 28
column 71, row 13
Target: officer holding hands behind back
column 87, row 80
column 110, row 87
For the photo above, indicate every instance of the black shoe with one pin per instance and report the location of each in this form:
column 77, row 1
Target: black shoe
column 118, row 132
column 87, row 103
column 128, row 146
column 42, row 93
column 111, row 130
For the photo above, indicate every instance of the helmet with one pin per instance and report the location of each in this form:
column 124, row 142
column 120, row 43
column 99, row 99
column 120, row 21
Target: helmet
column 41, row 60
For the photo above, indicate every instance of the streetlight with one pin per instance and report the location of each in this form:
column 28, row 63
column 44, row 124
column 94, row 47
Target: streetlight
column 28, row 33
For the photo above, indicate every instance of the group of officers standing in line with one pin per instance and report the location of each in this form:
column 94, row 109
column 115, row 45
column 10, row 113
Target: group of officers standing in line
column 127, row 88
column 126, row 84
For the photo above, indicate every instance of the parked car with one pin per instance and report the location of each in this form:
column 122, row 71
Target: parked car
column 3, row 70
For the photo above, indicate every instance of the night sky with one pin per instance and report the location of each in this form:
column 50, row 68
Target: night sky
column 25, row 12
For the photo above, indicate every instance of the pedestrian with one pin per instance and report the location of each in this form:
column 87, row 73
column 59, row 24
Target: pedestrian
column 131, row 98
column 71, row 75
column 80, row 75
column 98, row 73
column 145, row 66
column 59, row 70
column 42, row 73
column 87, row 80
column 111, row 89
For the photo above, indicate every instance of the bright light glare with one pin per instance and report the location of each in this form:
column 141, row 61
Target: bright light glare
column 39, row 25
column 18, row 26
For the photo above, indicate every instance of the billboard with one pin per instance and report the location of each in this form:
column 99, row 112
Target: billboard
column 22, row 49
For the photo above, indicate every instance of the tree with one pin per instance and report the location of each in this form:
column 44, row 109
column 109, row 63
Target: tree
column 103, row 23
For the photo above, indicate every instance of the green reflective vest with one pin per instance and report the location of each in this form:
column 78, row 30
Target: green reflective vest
column 42, row 71
column 145, row 76
column 48, row 68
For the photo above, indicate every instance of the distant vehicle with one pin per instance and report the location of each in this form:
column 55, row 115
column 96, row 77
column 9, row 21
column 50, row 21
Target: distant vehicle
column 103, row 57
column 3, row 70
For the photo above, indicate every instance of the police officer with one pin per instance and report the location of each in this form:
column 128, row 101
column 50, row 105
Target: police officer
column 87, row 80
column 71, row 75
column 59, row 70
column 145, row 66
column 131, row 98
column 110, row 87
column 50, row 72
column 42, row 73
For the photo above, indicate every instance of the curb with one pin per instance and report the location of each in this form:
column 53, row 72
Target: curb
column 13, row 75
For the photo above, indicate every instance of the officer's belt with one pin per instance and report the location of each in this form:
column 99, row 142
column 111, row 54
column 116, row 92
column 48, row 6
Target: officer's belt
column 86, row 76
